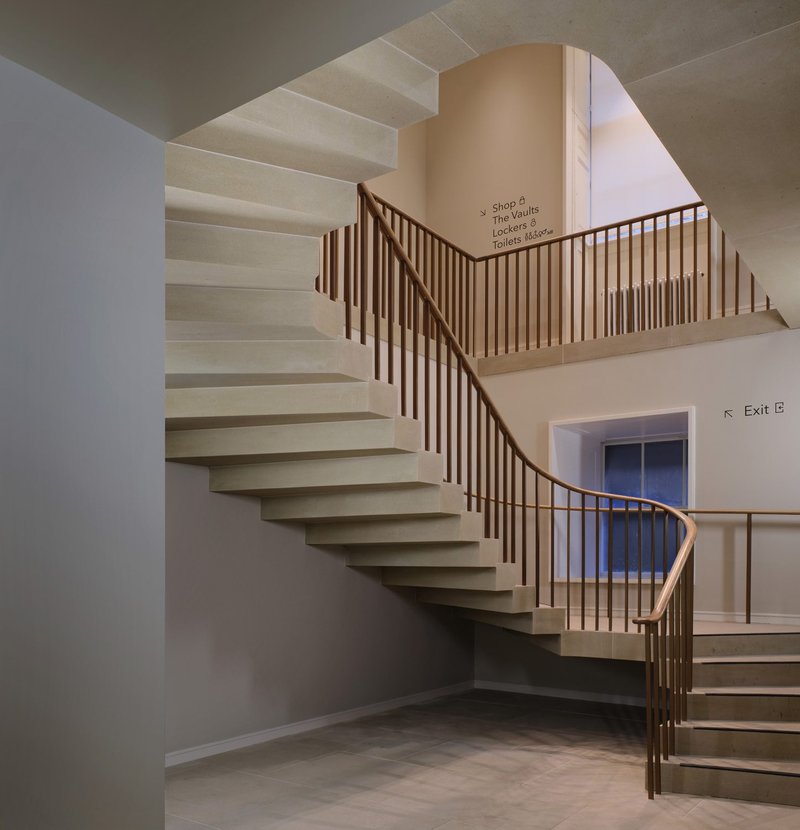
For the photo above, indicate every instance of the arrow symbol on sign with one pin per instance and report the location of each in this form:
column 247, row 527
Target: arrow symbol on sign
column 483, row 213
column 729, row 413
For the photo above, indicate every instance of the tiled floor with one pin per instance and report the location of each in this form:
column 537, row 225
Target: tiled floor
column 479, row 761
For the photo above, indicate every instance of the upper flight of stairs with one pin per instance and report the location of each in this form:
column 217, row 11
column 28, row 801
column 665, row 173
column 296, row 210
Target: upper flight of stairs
column 262, row 386
column 742, row 738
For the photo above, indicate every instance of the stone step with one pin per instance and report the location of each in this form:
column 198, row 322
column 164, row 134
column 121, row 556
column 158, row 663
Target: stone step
column 217, row 189
column 285, row 442
column 772, row 782
column 431, row 42
column 760, row 703
column 290, row 130
column 196, row 312
column 779, row 741
column 516, row 601
column 539, row 621
column 467, row 527
column 747, row 670
column 373, row 505
column 721, row 645
column 502, row 577
column 328, row 475
column 198, row 254
column 193, row 363
column 483, row 554
column 377, row 81
column 227, row 406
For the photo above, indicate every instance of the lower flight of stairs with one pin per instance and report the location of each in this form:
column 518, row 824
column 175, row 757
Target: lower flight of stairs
column 742, row 738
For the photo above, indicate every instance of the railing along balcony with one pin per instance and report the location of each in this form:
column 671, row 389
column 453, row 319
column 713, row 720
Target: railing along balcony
column 650, row 272
column 560, row 537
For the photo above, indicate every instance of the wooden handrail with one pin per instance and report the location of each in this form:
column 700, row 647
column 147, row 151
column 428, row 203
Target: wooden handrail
column 467, row 368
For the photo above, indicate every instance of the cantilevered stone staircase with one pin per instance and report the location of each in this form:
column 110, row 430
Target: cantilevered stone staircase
column 263, row 388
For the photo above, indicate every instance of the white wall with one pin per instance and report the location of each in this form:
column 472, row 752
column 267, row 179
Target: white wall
column 632, row 173
column 264, row 631
column 740, row 461
column 81, row 443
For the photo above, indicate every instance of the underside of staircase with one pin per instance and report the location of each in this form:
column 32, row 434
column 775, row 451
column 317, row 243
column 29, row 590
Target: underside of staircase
column 264, row 389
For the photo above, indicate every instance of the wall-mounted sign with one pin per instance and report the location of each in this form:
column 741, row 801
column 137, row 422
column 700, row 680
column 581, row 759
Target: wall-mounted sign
column 514, row 222
column 756, row 410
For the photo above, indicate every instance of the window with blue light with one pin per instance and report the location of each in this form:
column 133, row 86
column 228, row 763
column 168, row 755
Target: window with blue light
column 651, row 469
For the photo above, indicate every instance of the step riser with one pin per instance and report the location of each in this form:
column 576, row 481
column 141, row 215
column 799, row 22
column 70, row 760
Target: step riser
column 293, row 131
column 499, row 578
column 474, row 556
column 231, row 406
column 246, row 363
column 225, row 190
column 744, row 707
column 366, row 506
column 378, row 82
column 202, row 313
column 283, row 254
column 742, row 644
column 741, row 785
column 247, row 445
column 465, row 528
column 729, row 743
column 189, row 272
column 755, row 674
column 507, row 602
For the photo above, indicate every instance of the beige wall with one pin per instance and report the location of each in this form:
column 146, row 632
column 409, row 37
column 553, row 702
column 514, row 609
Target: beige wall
column 740, row 461
column 406, row 187
column 498, row 136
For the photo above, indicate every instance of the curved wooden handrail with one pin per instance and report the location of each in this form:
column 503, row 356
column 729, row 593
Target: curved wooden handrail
column 463, row 361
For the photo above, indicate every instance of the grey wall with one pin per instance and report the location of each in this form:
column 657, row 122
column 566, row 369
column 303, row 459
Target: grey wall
column 263, row 631
column 81, row 501
column 510, row 658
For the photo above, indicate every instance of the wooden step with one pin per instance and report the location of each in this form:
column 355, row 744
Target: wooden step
column 377, row 81
column 290, row 130
column 198, row 312
column 198, row 254
column 192, row 363
column 285, row 442
column 502, row 577
column 328, row 474
column 375, row 504
column 483, row 554
column 778, row 741
column 772, row 782
column 224, row 406
column 466, row 527
column 748, row 670
column 217, row 189
column 759, row 703
column 516, row 601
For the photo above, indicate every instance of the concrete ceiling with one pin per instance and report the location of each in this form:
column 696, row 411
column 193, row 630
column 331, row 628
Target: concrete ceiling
column 170, row 65
column 719, row 82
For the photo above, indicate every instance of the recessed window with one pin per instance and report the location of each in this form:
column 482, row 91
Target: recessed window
column 653, row 469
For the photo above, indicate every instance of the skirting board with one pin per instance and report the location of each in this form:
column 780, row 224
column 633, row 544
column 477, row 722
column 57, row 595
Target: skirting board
column 194, row 753
column 568, row 694
column 758, row 619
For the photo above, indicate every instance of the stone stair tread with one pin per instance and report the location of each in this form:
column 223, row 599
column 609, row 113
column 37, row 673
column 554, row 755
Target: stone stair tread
column 782, row 691
column 788, row 768
column 737, row 659
column 744, row 725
